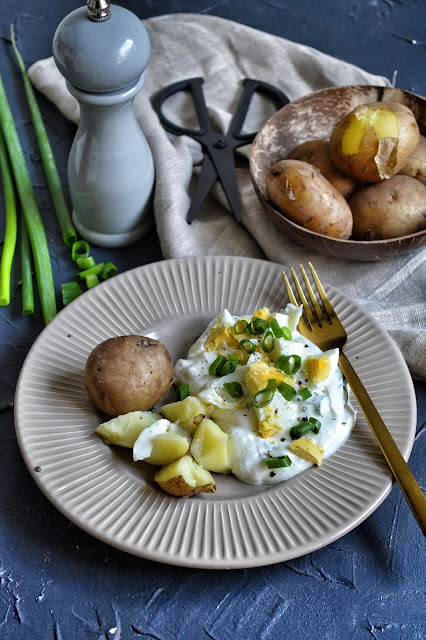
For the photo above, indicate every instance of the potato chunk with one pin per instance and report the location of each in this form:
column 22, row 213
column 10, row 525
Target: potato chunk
column 183, row 412
column 210, row 447
column 185, row 478
column 125, row 429
column 307, row 449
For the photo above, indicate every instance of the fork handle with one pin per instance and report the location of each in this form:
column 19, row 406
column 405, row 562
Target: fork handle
column 401, row 471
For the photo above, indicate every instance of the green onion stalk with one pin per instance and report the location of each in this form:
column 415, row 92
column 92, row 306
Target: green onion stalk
column 33, row 221
column 10, row 232
column 26, row 272
column 69, row 234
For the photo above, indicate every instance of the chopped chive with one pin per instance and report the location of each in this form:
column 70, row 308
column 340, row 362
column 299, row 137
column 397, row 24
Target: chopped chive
column 91, row 280
column 289, row 364
column 80, row 249
column 234, row 389
column 183, row 392
column 263, row 397
column 272, row 384
column 95, row 270
column 11, row 225
column 108, row 270
column 70, row 291
column 268, row 341
column 315, row 425
column 276, row 328
column 304, row 393
column 240, row 326
column 300, row 430
column 85, row 263
column 287, row 391
column 213, row 368
column 247, row 345
column 258, row 326
column 37, row 235
column 286, row 333
column 228, row 366
column 276, row 463
column 66, row 226
column 26, row 272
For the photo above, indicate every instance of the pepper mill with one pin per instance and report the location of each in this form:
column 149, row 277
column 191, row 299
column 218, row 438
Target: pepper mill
column 102, row 52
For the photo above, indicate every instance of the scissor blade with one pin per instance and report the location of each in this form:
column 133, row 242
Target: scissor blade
column 204, row 184
column 224, row 163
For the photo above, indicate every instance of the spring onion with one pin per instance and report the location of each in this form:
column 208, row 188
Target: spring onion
column 263, row 397
column 287, row 391
column 276, row 463
column 268, row 341
column 276, row 328
column 247, row 345
column 108, row 270
column 85, row 263
column 39, row 247
column 304, row 393
column 91, row 271
column 234, row 389
column 241, row 326
column 300, row 430
column 182, row 392
column 70, row 291
column 289, row 364
column 228, row 366
column 258, row 326
column 66, row 226
column 214, row 367
column 79, row 249
column 315, row 425
column 11, row 225
column 272, row 384
column 26, row 272
column 91, row 280
column 286, row 333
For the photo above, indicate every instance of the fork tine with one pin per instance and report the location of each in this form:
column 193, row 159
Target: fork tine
column 318, row 310
column 293, row 300
column 326, row 302
column 302, row 296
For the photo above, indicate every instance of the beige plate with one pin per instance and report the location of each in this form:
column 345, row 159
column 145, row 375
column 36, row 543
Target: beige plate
column 101, row 490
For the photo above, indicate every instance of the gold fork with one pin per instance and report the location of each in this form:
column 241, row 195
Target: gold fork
column 327, row 332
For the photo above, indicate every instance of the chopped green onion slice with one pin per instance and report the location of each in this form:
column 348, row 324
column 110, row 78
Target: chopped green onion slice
column 70, row 291
column 258, row 326
column 95, row 270
column 286, row 333
column 247, row 345
column 240, row 326
column 289, row 364
column 263, row 397
column 85, row 263
column 80, row 249
column 234, row 389
column 268, row 341
column 182, row 392
column 228, row 366
column 276, row 463
column 272, row 384
column 300, row 430
column 214, row 367
column 276, row 328
column 108, row 270
column 92, row 280
column 287, row 391
column 304, row 393
column 315, row 425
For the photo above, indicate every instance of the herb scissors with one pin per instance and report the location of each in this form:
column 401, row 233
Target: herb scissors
column 218, row 161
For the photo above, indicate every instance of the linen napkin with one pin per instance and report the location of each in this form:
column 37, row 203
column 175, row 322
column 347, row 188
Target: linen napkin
column 223, row 52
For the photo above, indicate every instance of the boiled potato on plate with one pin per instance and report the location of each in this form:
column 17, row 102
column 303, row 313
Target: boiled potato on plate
column 185, row 478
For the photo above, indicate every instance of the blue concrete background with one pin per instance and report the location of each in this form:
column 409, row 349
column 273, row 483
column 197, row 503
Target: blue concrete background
column 57, row 582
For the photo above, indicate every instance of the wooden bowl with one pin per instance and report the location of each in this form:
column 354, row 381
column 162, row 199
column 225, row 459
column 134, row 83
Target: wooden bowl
column 314, row 116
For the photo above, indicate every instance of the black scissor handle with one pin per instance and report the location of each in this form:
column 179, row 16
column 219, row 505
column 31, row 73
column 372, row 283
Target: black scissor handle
column 195, row 86
column 252, row 86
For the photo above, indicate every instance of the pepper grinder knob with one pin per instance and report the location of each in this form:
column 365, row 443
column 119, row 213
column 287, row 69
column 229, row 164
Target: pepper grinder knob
column 102, row 52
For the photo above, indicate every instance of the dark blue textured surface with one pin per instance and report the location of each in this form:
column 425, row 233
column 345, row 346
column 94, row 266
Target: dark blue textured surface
column 58, row 583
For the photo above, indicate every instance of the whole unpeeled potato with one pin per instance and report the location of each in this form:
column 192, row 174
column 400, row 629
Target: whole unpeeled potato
column 128, row 373
column 389, row 209
column 415, row 167
column 374, row 141
column 304, row 196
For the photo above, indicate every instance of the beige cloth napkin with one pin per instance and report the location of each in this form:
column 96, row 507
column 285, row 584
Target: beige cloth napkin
column 223, row 53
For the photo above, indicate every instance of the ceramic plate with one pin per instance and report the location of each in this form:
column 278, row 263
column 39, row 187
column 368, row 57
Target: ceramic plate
column 101, row 490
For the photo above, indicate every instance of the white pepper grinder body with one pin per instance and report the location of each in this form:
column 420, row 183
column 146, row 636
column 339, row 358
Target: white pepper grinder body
column 102, row 52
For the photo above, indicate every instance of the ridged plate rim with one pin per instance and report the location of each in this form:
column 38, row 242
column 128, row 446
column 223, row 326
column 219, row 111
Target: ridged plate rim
column 54, row 423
